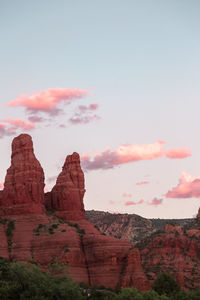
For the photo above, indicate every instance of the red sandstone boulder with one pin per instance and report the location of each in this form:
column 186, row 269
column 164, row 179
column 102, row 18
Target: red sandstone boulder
column 23, row 191
column 67, row 194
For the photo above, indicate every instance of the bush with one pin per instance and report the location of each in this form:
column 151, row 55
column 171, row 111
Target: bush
column 129, row 294
column 165, row 284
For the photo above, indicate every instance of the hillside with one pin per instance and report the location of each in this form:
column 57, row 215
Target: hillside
column 129, row 227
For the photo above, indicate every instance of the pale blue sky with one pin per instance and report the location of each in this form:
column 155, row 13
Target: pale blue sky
column 139, row 60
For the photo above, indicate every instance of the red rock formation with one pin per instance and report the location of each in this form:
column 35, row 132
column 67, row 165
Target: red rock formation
column 105, row 258
column 133, row 273
column 67, row 194
column 198, row 214
column 24, row 183
column 174, row 253
column 171, row 228
column 92, row 257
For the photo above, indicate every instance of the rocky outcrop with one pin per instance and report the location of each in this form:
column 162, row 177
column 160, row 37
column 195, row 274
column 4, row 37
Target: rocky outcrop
column 175, row 229
column 28, row 232
column 175, row 252
column 105, row 258
column 65, row 237
column 133, row 273
column 66, row 197
column 24, row 183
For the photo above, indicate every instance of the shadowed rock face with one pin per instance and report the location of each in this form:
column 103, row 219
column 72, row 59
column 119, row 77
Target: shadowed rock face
column 67, row 195
column 24, row 183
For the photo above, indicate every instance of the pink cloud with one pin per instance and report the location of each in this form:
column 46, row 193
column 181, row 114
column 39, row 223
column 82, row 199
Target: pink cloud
column 178, row 153
column 1, row 185
column 83, row 119
column 47, row 100
column 124, row 154
column 188, row 187
column 127, row 203
column 9, row 126
column 3, row 131
column 84, row 114
column 155, row 201
column 36, row 119
column 142, row 182
column 125, row 195
column 19, row 123
column 91, row 107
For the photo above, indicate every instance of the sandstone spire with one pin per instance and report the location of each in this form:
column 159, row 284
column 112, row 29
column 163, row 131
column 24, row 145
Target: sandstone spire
column 67, row 194
column 24, row 183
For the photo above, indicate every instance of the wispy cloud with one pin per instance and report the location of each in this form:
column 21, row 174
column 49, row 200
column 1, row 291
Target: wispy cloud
column 48, row 100
column 126, row 195
column 75, row 120
column 156, row 201
column 36, row 119
column 19, row 123
column 4, row 130
column 178, row 153
column 91, row 107
column 84, row 114
column 142, row 182
column 127, row 203
column 107, row 158
column 188, row 187
column 10, row 126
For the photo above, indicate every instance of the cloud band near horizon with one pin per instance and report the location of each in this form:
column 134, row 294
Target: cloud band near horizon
column 108, row 159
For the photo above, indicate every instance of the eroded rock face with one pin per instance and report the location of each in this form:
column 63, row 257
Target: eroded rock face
column 67, row 195
column 175, row 253
column 133, row 272
column 24, row 183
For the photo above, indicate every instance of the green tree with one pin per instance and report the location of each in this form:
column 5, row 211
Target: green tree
column 165, row 284
column 194, row 295
column 130, row 294
column 22, row 281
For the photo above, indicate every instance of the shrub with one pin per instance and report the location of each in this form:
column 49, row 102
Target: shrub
column 165, row 284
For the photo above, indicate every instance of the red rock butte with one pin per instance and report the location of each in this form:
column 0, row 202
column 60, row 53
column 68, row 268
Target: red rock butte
column 62, row 233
